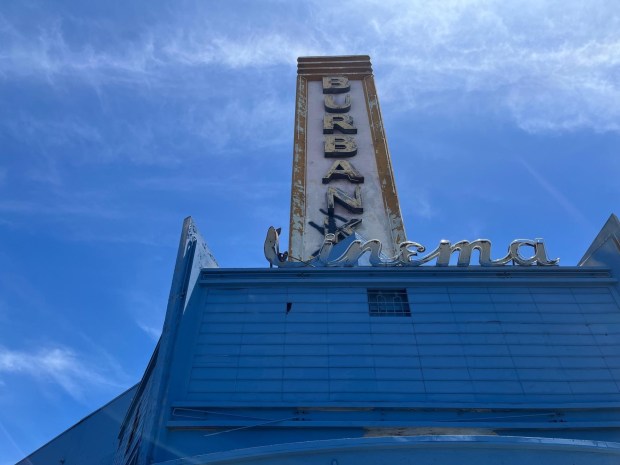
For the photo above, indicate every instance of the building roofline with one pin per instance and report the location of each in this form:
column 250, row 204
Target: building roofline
column 534, row 276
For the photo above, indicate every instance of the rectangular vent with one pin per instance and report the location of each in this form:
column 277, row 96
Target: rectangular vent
column 388, row 302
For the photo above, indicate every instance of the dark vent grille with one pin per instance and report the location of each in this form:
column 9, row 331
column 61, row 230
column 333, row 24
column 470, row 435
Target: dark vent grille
column 388, row 302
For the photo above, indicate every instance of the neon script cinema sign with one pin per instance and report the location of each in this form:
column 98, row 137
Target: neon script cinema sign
column 408, row 252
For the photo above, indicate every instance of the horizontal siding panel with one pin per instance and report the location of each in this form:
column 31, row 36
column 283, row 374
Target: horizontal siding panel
column 594, row 387
column 212, row 386
column 215, row 361
column 306, row 350
column 490, row 362
column 258, row 385
column 348, row 307
column 219, row 338
column 306, row 338
column 490, row 374
column 259, row 372
column 258, row 338
column 416, row 297
column 592, row 362
column 261, row 349
column 357, row 328
column 306, row 328
column 511, row 298
column 294, row 316
column 345, row 373
column 218, row 349
column 558, row 309
column 592, row 298
column 392, row 339
column 360, row 316
column 396, row 325
column 343, row 385
column 405, row 387
column 306, row 373
column 356, row 349
column 397, row 374
column 498, row 387
column 469, row 298
column 546, row 387
column 317, row 361
column 449, row 386
column 448, row 374
column 486, row 349
column 276, row 327
column 460, row 344
column 443, row 362
column 343, row 338
column 556, row 298
column 260, row 361
column 305, row 385
column 458, row 308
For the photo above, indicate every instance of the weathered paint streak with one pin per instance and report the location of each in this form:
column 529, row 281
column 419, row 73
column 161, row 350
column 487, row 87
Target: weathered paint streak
column 298, row 189
column 384, row 163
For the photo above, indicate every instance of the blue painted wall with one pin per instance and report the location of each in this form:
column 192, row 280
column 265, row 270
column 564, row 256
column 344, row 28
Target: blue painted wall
column 533, row 348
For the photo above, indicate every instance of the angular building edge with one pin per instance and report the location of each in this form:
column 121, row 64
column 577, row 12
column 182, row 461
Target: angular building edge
column 145, row 414
column 605, row 249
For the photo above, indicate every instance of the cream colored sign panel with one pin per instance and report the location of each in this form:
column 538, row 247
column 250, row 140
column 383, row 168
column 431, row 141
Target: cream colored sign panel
column 347, row 186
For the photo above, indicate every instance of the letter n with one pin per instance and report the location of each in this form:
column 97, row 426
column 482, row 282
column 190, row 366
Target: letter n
column 353, row 204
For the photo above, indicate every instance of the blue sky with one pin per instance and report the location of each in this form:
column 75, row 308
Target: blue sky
column 119, row 119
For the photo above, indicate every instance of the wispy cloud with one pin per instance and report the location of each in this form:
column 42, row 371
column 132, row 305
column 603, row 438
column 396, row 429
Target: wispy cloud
column 558, row 196
column 545, row 66
column 147, row 311
column 58, row 209
column 63, row 367
column 152, row 331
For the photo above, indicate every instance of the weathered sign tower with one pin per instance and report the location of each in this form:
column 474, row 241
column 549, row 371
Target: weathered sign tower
column 342, row 174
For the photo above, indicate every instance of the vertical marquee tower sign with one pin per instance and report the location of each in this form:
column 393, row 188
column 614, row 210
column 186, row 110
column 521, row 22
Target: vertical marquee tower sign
column 343, row 182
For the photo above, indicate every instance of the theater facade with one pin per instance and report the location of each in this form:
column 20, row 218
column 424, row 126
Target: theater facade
column 355, row 345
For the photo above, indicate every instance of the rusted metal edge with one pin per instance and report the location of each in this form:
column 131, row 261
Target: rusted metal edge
column 342, row 65
column 339, row 70
column 318, row 76
column 298, row 187
column 334, row 66
column 331, row 59
column 384, row 164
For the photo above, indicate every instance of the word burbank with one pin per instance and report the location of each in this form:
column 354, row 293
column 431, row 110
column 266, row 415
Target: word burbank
column 341, row 147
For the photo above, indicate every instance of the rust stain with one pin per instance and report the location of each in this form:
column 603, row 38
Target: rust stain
column 384, row 163
column 427, row 431
column 298, row 187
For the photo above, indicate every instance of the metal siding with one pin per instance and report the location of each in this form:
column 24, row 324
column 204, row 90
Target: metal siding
column 472, row 345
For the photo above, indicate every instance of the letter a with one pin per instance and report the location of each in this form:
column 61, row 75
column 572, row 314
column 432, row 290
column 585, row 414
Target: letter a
column 340, row 146
column 336, row 85
column 342, row 169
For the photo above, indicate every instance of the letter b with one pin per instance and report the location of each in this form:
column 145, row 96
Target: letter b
column 336, row 85
column 340, row 146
